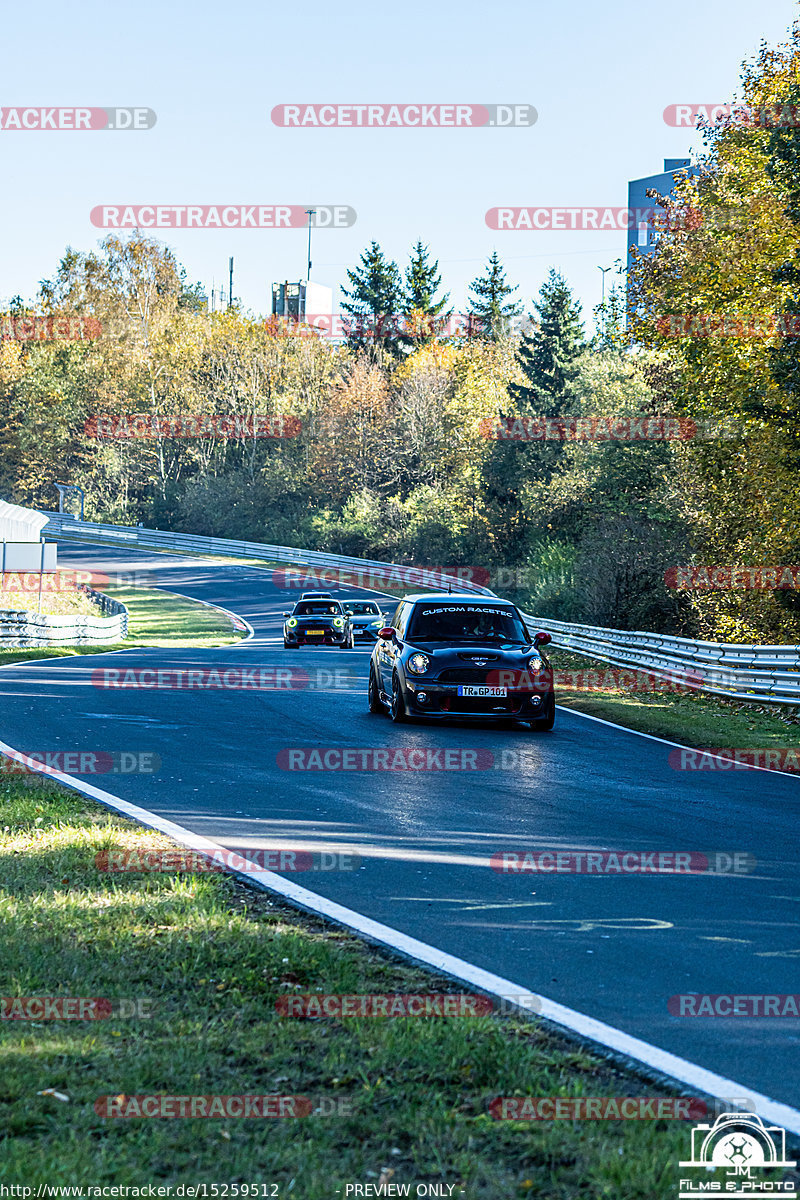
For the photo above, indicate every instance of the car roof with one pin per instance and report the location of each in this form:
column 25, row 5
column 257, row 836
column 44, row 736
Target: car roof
column 315, row 595
column 460, row 597
column 358, row 599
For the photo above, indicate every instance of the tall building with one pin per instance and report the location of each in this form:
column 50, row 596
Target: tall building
column 644, row 234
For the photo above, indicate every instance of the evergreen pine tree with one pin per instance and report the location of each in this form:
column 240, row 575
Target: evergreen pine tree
column 489, row 307
column 548, row 355
column 423, row 312
column 373, row 300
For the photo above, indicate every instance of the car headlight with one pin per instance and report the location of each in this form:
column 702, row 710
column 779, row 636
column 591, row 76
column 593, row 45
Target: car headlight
column 292, row 622
column 338, row 622
column 419, row 663
column 535, row 664
column 376, row 624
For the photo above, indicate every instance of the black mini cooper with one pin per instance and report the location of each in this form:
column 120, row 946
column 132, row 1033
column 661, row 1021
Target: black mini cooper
column 460, row 656
column 317, row 623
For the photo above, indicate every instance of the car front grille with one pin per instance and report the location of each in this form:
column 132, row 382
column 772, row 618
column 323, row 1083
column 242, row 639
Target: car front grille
column 465, row 675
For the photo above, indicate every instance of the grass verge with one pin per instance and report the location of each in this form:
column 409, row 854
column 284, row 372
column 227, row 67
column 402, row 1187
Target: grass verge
column 212, row 957
column 156, row 618
column 690, row 718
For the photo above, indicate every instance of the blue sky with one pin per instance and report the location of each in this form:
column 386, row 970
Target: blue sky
column 599, row 75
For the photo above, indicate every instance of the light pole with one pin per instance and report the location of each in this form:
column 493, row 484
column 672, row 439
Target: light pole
column 310, row 212
column 604, row 269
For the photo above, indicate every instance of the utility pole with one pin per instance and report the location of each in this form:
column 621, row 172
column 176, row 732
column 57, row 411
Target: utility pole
column 230, row 287
column 310, row 212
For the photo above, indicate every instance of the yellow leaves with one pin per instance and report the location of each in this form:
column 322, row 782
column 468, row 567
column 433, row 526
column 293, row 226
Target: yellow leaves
column 12, row 363
column 439, row 356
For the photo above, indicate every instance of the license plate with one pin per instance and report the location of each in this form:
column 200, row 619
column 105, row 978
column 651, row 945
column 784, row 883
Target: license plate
column 467, row 689
column 321, row 632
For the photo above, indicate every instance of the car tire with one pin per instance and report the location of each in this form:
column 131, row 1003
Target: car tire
column 290, row 646
column 545, row 724
column 373, row 694
column 398, row 709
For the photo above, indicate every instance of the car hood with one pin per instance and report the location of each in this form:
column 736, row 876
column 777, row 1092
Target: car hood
column 446, row 652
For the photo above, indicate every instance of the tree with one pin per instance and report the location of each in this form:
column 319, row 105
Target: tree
column 547, row 359
column 549, row 354
column 783, row 168
column 424, row 314
column 374, row 300
column 707, row 296
column 489, row 306
column 610, row 320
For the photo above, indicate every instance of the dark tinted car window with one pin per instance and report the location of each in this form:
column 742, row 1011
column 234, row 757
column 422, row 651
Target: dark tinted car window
column 465, row 622
column 317, row 608
column 361, row 608
column 401, row 612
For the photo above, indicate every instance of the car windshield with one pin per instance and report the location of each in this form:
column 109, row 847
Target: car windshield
column 317, row 608
column 465, row 623
column 362, row 608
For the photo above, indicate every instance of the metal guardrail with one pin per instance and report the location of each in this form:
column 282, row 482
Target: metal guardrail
column 156, row 539
column 20, row 627
column 739, row 672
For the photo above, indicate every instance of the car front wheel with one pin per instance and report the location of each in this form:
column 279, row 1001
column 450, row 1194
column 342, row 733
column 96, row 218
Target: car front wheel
column 373, row 695
column 398, row 709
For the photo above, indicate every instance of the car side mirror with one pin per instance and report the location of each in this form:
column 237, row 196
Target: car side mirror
column 387, row 633
column 542, row 639
column 286, row 614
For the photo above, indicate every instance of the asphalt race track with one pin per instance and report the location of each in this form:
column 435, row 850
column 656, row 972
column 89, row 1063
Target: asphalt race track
column 613, row 947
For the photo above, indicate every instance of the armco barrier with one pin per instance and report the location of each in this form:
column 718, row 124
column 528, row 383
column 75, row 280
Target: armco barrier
column 191, row 543
column 739, row 672
column 755, row 673
column 25, row 628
